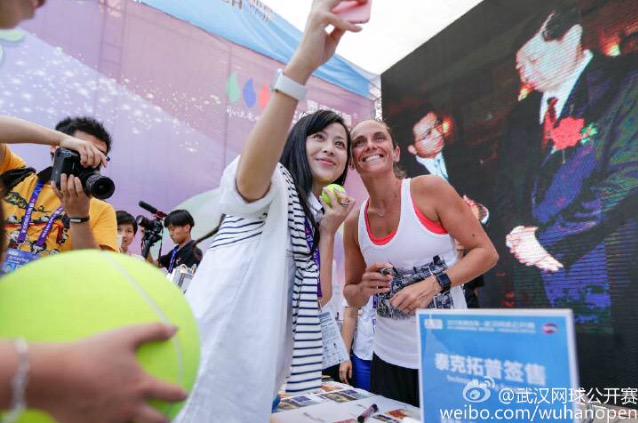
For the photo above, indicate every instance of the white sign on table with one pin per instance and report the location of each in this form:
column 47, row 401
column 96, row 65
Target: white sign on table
column 334, row 350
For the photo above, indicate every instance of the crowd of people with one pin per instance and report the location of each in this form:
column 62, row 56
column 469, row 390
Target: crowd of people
column 258, row 291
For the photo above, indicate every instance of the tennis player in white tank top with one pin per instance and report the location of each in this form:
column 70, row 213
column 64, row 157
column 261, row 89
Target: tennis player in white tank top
column 409, row 228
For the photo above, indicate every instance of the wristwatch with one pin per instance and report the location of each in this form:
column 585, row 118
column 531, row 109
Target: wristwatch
column 444, row 282
column 79, row 219
column 289, row 87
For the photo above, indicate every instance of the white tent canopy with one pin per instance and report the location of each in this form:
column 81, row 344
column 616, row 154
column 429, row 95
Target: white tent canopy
column 395, row 29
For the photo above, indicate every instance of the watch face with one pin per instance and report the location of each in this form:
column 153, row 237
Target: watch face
column 444, row 281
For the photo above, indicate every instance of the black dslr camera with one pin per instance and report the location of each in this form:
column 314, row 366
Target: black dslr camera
column 153, row 228
column 94, row 184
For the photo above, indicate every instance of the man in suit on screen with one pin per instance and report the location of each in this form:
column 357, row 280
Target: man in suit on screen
column 431, row 141
column 567, row 191
column 435, row 151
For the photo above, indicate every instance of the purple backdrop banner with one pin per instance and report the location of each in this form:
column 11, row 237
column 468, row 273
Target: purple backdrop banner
column 178, row 102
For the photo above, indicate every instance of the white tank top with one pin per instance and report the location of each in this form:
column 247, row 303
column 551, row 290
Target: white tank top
column 411, row 250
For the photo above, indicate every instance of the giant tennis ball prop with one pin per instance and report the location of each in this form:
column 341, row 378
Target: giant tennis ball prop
column 75, row 295
column 335, row 188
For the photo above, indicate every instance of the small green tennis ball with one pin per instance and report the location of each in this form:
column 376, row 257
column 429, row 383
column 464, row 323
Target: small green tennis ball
column 75, row 295
column 334, row 188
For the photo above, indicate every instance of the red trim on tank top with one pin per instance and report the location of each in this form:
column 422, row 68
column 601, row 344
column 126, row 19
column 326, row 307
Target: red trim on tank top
column 374, row 239
column 434, row 227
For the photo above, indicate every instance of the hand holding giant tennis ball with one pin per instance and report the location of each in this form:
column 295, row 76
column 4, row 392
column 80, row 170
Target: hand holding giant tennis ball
column 335, row 188
column 74, row 296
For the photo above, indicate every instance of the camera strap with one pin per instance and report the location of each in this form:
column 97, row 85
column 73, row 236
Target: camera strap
column 26, row 222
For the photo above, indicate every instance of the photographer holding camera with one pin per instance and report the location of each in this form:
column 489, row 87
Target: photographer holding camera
column 42, row 218
column 179, row 224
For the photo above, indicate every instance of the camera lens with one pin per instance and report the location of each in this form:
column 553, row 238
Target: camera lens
column 99, row 186
column 144, row 222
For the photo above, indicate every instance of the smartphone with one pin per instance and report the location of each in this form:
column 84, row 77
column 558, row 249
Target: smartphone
column 354, row 12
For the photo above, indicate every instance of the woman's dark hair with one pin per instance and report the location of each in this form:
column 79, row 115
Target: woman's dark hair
column 125, row 218
column 295, row 159
column 179, row 218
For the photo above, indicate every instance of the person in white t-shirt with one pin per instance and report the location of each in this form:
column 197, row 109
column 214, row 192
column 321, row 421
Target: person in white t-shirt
column 401, row 249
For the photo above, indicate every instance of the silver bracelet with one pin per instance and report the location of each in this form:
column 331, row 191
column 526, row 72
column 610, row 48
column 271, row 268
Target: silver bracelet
column 19, row 383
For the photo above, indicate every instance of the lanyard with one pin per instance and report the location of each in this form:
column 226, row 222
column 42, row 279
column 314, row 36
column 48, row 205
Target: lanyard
column 26, row 222
column 316, row 257
column 171, row 265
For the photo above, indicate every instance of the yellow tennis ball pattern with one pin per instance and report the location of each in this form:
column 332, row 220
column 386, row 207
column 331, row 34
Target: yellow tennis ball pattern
column 334, row 188
column 75, row 295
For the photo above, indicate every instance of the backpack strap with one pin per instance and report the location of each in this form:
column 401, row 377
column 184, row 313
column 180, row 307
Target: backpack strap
column 13, row 177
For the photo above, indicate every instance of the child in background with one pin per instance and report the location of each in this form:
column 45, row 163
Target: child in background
column 126, row 231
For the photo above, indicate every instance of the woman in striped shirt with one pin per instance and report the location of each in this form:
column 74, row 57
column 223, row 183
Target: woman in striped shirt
column 256, row 292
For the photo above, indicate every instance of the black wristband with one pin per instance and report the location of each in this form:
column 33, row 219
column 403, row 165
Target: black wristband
column 79, row 219
column 444, row 282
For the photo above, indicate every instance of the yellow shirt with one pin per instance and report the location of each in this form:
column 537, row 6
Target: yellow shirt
column 15, row 202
